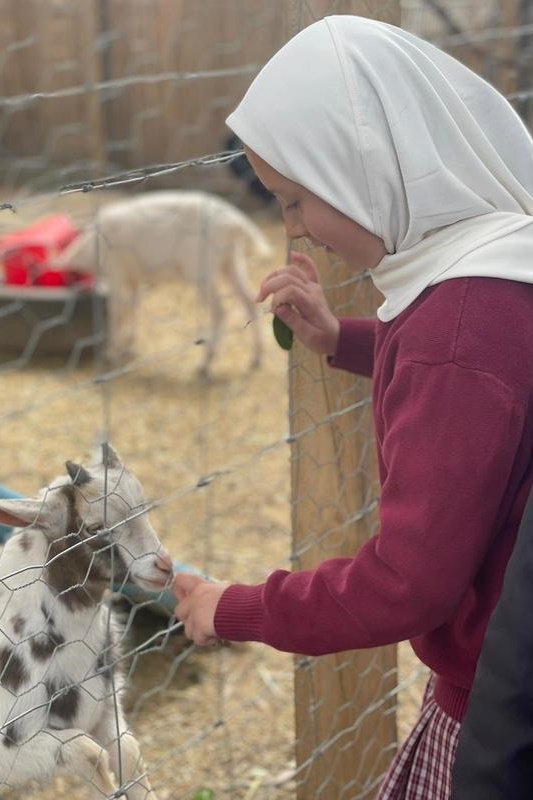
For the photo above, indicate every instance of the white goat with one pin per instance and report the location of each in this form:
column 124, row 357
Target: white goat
column 165, row 235
column 60, row 709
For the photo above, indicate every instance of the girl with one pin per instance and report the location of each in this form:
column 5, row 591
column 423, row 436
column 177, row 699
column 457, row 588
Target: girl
column 400, row 160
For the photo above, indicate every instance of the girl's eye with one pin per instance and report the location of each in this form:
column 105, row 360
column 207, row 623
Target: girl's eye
column 291, row 206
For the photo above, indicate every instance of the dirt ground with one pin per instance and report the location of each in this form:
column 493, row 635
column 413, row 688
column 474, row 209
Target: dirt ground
column 221, row 718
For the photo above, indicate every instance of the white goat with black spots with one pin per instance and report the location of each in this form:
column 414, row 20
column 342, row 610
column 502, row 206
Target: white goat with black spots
column 60, row 709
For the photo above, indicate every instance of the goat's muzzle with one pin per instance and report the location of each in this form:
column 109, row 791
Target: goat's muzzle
column 164, row 563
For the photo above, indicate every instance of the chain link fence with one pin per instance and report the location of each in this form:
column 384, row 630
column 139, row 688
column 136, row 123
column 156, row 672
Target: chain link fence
column 249, row 471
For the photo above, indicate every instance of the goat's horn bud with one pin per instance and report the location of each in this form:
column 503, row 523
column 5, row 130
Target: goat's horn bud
column 78, row 474
column 110, row 457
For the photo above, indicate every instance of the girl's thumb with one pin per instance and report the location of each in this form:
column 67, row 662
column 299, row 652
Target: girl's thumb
column 183, row 584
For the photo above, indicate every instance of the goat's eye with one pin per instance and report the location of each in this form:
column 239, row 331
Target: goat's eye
column 92, row 530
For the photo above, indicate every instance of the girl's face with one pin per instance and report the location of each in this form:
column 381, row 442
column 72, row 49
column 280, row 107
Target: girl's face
column 305, row 214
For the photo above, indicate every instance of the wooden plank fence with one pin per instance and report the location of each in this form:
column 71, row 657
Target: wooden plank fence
column 107, row 85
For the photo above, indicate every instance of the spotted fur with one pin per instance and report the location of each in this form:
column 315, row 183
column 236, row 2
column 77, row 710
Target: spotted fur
column 59, row 641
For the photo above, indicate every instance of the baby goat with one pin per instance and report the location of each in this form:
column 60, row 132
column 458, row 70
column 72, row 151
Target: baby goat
column 60, row 709
column 165, row 235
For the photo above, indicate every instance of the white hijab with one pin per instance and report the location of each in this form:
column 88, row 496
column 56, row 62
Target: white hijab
column 406, row 141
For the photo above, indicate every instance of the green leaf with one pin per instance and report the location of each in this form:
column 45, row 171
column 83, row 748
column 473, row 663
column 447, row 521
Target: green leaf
column 204, row 794
column 284, row 335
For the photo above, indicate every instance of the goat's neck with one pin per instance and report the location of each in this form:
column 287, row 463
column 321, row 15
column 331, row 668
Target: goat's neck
column 74, row 572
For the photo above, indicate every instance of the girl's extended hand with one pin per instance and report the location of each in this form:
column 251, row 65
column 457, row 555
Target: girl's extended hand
column 298, row 300
column 197, row 602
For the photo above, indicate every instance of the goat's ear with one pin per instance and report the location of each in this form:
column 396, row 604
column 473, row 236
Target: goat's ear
column 78, row 474
column 110, row 457
column 19, row 513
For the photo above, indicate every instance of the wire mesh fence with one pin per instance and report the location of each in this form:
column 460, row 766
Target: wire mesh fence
column 251, row 470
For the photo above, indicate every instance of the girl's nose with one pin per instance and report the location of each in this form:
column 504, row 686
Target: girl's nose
column 294, row 229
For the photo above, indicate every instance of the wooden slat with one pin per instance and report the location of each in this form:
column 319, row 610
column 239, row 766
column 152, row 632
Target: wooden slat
column 344, row 712
column 345, row 729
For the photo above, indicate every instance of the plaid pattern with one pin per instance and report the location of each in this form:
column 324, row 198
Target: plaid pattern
column 421, row 770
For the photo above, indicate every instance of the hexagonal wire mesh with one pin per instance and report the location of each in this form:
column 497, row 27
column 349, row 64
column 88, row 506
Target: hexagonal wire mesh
column 105, row 100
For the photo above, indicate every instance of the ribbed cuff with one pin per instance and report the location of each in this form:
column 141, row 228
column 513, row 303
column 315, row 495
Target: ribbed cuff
column 239, row 614
column 451, row 698
column 355, row 346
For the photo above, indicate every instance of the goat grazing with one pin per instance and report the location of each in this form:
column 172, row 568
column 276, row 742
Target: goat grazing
column 60, row 707
column 162, row 235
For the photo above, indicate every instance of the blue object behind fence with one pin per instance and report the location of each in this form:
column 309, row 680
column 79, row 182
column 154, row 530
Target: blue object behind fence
column 5, row 530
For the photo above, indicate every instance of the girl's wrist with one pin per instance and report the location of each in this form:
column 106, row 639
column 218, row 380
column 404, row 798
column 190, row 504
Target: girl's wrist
column 333, row 342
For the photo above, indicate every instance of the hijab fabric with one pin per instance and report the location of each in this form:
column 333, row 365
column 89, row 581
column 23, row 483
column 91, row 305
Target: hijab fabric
column 404, row 140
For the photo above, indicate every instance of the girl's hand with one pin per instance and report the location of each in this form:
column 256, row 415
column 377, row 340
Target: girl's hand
column 197, row 602
column 298, row 300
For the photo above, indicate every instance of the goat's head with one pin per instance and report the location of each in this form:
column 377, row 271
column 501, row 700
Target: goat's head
column 84, row 253
column 95, row 519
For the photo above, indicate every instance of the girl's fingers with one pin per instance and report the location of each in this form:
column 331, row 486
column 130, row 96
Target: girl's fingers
column 279, row 279
column 285, row 305
column 288, row 314
column 296, row 297
column 307, row 264
column 302, row 268
column 183, row 584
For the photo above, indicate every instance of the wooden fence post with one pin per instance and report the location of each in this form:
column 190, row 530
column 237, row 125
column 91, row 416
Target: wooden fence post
column 344, row 707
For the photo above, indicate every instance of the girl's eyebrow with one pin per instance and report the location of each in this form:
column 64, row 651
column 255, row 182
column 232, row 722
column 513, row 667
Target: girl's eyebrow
column 279, row 192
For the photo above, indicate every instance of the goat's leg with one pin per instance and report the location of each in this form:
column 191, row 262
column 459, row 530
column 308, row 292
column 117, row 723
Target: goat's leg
column 125, row 757
column 51, row 752
column 86, row 759
column 236, row 273
column 123, row 302
column 216, row 313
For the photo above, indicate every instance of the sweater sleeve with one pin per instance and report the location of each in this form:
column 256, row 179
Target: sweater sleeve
column 450, row 442
column 355, row 348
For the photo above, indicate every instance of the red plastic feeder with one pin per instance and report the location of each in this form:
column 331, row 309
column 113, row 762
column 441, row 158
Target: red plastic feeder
column 26, row 253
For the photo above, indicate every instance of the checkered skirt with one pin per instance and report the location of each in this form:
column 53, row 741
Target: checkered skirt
column 422, row 767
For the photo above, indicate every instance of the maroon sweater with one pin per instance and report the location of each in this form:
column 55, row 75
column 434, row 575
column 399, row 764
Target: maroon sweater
column 452, row 399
